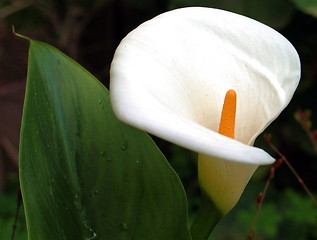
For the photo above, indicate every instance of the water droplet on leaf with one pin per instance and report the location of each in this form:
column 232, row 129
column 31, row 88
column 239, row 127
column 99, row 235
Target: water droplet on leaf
column 124, row 146
column 124, row 226
column 78, row 202
column 92, row 234
column 101, row 104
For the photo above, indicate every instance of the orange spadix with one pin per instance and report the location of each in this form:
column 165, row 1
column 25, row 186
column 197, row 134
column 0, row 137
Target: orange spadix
column 228, row 114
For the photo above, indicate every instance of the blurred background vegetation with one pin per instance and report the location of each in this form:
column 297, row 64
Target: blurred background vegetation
column 89, row 31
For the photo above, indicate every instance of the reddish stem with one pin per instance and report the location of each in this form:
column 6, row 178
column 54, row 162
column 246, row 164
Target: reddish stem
column 303, row 117
column 19, row 201
column 260, row 197
column 312, row 139
column 300, row 180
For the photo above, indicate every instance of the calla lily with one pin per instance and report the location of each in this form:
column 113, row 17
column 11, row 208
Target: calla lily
column 170, row 76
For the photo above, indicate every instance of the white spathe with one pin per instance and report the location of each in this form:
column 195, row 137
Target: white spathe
column 170, row 75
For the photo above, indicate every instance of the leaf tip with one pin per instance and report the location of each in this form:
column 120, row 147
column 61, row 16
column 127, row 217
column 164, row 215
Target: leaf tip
column 19, row 35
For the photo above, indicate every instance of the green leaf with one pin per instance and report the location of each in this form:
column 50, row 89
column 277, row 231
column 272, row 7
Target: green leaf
column 268, row 221
column 301, row 209
column 307, row 6
column 84, row 174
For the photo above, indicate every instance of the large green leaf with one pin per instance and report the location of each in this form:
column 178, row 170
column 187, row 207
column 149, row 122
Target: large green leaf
column 84, row 174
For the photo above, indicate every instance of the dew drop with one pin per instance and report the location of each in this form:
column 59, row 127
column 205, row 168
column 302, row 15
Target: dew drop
column 124, row 146
column 94, row 235
column 78, row 202
column 124, row 227
column 101, row 104
column 104, row 155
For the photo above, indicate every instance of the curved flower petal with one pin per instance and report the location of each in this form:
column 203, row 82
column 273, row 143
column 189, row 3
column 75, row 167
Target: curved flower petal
column 223, row 181
column 170, row 75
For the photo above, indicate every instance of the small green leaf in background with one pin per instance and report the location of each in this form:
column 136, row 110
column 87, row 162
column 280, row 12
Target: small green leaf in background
column 307, row 6
column 284, row 214
column 84, row 174
column 268, row 221
column 301, row 209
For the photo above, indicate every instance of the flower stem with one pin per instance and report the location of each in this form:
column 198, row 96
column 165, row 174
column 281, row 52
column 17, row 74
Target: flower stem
column 300, row 180
column 207, row 217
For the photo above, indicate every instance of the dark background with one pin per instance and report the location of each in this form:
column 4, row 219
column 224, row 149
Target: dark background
column 89, row 31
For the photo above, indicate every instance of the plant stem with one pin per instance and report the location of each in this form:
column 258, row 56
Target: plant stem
column 207, row 217
column 312, row 139
column 19, row 201
column 300, row 180
column 261, row 197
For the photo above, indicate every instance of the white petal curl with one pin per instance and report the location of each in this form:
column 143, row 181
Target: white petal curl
column 170, row 75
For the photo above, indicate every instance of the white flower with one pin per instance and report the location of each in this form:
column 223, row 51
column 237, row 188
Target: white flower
column 170, row 75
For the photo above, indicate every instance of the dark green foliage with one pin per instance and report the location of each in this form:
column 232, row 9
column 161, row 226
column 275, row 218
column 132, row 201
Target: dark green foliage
column 84, row 174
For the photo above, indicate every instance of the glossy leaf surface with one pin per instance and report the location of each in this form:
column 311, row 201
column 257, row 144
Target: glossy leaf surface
column 84, row 174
